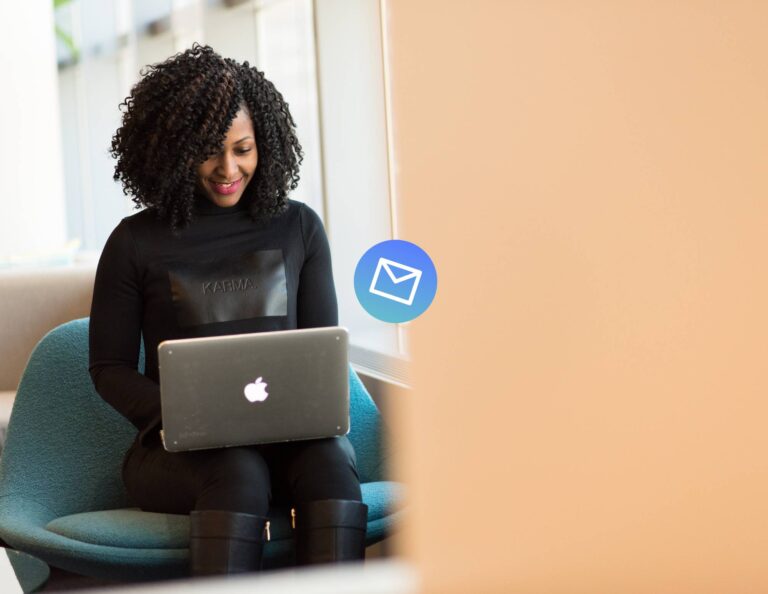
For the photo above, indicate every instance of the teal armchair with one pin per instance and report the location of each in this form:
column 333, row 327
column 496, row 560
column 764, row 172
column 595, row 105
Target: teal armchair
column 61, row 493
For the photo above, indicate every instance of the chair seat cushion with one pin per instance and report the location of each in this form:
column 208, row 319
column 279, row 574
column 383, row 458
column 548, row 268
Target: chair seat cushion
column 130, row 528
column 383, row 498
column 133, row 528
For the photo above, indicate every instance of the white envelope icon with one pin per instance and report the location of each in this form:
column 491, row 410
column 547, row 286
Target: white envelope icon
column 398, row 274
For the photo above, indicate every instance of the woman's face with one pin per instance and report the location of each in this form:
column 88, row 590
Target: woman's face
column 225, row 175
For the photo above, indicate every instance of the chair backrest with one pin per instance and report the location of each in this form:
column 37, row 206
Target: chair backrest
column 65, row 445
column 365, row 432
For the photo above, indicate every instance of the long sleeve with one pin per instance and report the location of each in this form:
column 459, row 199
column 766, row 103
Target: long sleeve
column 316, row 298
column 115, row 333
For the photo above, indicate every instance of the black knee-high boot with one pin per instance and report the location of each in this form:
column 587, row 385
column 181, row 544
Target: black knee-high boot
column 330, row 530
column 225, row 542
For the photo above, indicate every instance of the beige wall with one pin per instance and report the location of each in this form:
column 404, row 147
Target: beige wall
column 591, row 388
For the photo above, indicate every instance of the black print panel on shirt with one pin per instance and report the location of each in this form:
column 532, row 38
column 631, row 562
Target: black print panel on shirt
column 239, row 287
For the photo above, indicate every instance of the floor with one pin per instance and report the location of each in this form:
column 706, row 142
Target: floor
column 381, row 576
column 64, row 581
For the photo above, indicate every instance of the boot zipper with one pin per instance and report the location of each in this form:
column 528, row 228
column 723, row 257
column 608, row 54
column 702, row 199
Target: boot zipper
column 266, row 531
column 293, row 518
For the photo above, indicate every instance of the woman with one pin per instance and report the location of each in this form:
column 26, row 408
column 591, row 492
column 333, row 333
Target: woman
column 208, row 146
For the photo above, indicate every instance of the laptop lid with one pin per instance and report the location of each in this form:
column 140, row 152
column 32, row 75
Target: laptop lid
column 254, row 388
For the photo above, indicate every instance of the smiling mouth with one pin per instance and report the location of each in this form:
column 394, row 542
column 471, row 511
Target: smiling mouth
column 226, row 187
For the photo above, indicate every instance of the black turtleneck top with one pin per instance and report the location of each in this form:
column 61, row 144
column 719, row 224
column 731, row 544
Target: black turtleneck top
column 223, row 274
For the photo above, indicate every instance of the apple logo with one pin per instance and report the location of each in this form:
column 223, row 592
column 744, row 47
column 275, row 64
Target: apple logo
column 257, row 391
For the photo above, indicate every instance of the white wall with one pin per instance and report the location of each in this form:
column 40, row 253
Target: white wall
column 353, row 128
column 32, row 197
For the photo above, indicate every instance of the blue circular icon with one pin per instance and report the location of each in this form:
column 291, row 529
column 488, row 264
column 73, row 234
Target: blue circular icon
column 395, row 281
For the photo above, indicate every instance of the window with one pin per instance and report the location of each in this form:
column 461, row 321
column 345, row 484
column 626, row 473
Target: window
column 359, row 202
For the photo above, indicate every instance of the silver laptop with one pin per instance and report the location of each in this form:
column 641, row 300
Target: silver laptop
column 254, row 388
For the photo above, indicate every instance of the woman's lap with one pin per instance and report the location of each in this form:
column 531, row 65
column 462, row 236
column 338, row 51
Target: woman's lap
column 246, row 479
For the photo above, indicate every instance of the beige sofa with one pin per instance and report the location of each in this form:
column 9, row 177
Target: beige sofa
column 32, row 302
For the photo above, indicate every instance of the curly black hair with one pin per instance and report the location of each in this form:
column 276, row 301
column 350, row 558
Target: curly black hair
column 178, row 115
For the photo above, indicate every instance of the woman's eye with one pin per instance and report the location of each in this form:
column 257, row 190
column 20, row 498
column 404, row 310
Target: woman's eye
column 243, row 151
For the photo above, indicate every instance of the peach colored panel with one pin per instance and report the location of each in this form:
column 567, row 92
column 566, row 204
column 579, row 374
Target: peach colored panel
column 591, row 397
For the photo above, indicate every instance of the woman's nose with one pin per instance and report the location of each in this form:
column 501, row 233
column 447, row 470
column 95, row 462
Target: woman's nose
column 228, row 166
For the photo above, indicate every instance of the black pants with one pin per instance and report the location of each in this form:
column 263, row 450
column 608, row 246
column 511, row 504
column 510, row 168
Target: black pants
column 241, row 479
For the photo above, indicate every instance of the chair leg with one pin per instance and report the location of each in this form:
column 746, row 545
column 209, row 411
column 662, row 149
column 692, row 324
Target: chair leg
column 330, row 530
column 223, row 542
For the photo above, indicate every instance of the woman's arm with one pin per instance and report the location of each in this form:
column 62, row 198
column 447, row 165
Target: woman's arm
column 115, row 333
column 316, row 299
